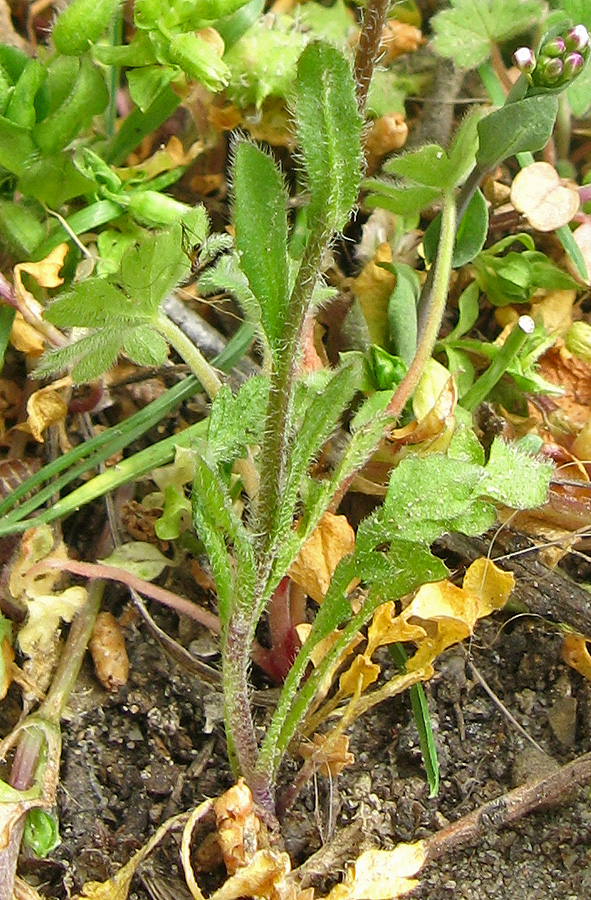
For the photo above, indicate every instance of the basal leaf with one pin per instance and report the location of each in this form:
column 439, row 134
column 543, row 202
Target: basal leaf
column 525, row 125
column 260, row 216
column 465, row 32
column 329, row 131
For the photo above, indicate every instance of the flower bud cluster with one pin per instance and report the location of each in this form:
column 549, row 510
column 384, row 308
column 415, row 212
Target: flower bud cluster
column 559, row 60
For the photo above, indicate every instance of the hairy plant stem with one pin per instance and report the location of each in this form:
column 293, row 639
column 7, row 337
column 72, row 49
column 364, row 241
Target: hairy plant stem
column 434, row 309
column 202, row 370
column 368, row 49
column 31, row 742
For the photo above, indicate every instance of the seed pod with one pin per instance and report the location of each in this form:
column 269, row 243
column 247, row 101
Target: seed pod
column 81, row 24
column 155, row 209
column 107, row 648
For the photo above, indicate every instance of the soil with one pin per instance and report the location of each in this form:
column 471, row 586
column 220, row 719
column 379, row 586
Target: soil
column 156, row 747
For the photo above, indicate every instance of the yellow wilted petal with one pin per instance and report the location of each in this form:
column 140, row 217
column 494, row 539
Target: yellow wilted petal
column 44, row 408
column 489, row 584
column 543, row 197
column 361, row 673
column 575, row 653
column 45, row 272
column 444, row 600
column 262, row 877
column 388, row 628
column 25, row 338
column 382, row 874
column 332, row 539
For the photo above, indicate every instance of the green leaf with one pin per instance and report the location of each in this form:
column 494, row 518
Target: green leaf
column 465, row 32
column 225, row 275
column 216, row 523
column 525, row 125
column 329, row 131
column 152, row 267
column 468, row 312
column 515, row 478
column 138, row 558
column 41, row 832
column 263, row 62
column 93, row 303
column 427, row 496
column 147, row 83
column 402, row 201
column 402, row 313
column 429, row 166
column 145, row 346
column 54, row 180
column 260, row 215
column 237, row 421
column 470, row 235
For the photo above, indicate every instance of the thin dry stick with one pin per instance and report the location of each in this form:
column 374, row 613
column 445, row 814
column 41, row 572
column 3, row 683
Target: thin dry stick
column 509, row 808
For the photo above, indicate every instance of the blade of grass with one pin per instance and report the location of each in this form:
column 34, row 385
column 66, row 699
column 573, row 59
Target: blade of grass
column 420, row 711
column 139, row 124
column 95, row 451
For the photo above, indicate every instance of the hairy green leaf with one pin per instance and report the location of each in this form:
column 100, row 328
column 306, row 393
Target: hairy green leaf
column 260, row 216
column 237, row 421
column 329, row 131
column 515, row 478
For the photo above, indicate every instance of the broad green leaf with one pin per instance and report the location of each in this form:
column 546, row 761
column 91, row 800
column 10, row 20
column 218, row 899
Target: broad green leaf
column 263, row 62
column 525, row 125
column 403, row 201
column 138, row 558
column 329, row 132
column 577, row 10
column 515, row 478
column 429, row 166
column 470, row 235
column 465, row 32
column 147, row 83
column 260, row 217
column 462, row 153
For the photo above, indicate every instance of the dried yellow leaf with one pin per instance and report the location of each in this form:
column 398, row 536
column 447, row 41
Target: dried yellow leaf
column 490, row 584
column 45, row 272
column 238, row 826
column 332, row 539
column 575, row 653
column 25, row 337
column 264, row 877
column 388, row 628
column 361, row 673
column 382, row 874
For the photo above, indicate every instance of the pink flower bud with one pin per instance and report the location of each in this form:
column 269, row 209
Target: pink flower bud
column 555, row 47
column 573, row 63
column 524, row 59
column 577, row 38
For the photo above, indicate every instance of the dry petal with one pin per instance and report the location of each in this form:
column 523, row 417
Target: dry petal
column 382, row 874
column 543, row 197
column 238, row 826
column 575, row 653
column 314, row 566
column 330, row 756
column 46, row 271
column 107, row 648
column 45, row 407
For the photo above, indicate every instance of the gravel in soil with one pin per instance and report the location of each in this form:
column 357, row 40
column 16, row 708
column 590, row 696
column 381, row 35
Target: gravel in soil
column 132, row 759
